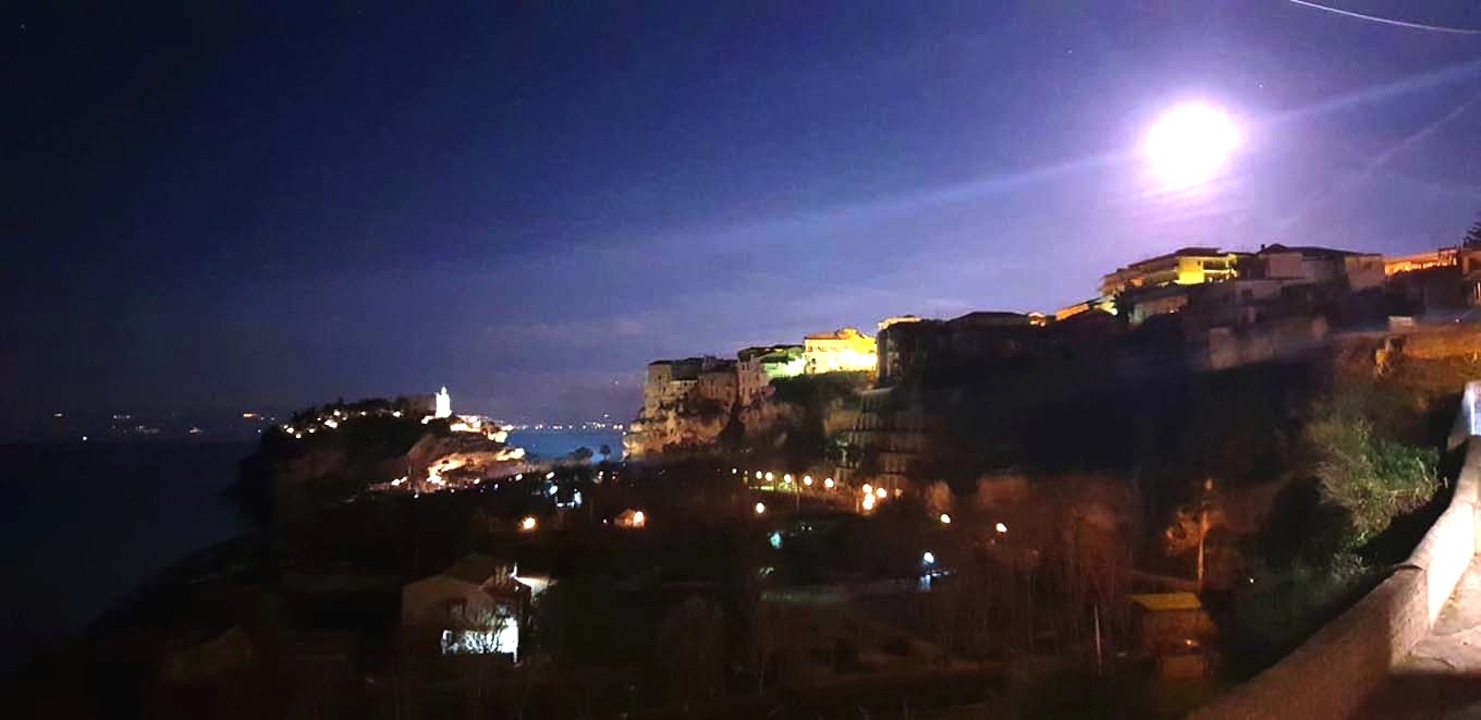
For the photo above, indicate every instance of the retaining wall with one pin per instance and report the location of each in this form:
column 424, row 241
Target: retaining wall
column 1332, row 674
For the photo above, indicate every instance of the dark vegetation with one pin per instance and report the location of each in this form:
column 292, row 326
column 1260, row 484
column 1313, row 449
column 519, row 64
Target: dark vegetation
column 1318, row 472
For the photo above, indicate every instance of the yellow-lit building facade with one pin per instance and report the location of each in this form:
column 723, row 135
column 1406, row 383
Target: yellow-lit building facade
column 846, row 350
column 1188, row 266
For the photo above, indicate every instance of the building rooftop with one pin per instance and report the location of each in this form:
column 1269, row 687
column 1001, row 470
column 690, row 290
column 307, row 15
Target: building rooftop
column 991, row 317
column 1307, row 250
column 1180, row 252
column 1167, row 602
column 475, row 568
column 847, row 333
column 761, row 350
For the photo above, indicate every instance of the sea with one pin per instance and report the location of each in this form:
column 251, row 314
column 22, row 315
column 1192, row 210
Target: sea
column 83, row 524
column 552, row 444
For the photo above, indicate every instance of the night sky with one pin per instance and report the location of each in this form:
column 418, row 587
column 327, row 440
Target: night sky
column 527, row 201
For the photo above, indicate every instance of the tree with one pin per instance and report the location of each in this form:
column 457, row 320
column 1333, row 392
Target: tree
column 605, row 451
column 582, row 454
column 690, row 653
column 1473, row 236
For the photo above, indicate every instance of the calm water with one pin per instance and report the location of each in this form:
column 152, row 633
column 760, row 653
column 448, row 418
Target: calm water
column 81, row 525
column 551, row 444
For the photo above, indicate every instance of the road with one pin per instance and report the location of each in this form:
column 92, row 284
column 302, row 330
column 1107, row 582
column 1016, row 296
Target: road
column 1441, row 677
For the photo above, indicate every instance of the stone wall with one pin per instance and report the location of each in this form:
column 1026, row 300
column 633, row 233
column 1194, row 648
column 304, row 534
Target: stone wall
column 1443, row 342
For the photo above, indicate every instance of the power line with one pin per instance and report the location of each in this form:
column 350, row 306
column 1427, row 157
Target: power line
column 1387, row 21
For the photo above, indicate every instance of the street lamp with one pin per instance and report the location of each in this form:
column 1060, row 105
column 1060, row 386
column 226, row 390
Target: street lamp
column 1001, row 528
column 760, row 508
column 945, row 519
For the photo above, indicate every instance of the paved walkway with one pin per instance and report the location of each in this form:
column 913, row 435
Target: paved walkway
column 1441, row 678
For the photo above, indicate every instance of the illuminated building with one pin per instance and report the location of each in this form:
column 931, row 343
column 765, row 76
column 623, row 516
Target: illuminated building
column 674, row 392
column 1103, row 303
column 1443, row 280
column 845, row 350
column 671, row 382
column 1187, row 266
column 1164, row 300
column 717, row 384
column 758, row 366
column 475, row 606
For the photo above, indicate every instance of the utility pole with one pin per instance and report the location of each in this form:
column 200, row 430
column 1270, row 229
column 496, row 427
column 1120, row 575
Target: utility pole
column 1098, row 665
column 1203, row 503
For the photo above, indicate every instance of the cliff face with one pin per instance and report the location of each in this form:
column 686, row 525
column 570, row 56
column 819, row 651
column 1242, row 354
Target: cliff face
column 810, row 406
column 459, row 458
column 674, row 430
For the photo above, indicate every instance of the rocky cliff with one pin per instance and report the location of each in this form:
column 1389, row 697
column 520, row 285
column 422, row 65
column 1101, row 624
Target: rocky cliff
column 318, row 461
column 808, row 407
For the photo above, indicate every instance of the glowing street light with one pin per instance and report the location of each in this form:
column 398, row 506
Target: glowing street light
column 787, row 478
column 1190, row 144
column 867, row 503
column 527, row 524
column 760, row 508
column 868, row 489
column 769, row 477
column 1001, row 528
column 807, row 480
column 828, row 483
column 945, row 519
column 928, row 558
column 758, row 474
column 881, row 493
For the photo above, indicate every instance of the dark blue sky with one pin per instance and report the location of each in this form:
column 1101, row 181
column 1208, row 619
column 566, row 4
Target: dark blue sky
column 529, row 200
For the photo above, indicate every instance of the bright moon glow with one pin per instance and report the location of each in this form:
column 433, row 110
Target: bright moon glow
column 1190, row 144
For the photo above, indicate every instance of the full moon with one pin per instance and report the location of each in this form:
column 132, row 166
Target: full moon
column 1190, row 144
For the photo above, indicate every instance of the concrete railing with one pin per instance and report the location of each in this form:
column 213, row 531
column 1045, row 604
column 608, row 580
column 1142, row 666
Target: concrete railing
column 1334, row 673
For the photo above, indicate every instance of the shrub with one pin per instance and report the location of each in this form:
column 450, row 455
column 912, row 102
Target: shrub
column 1363, row 469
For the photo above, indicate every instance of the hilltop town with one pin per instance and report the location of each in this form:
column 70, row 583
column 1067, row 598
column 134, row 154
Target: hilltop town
column 1191, row 310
